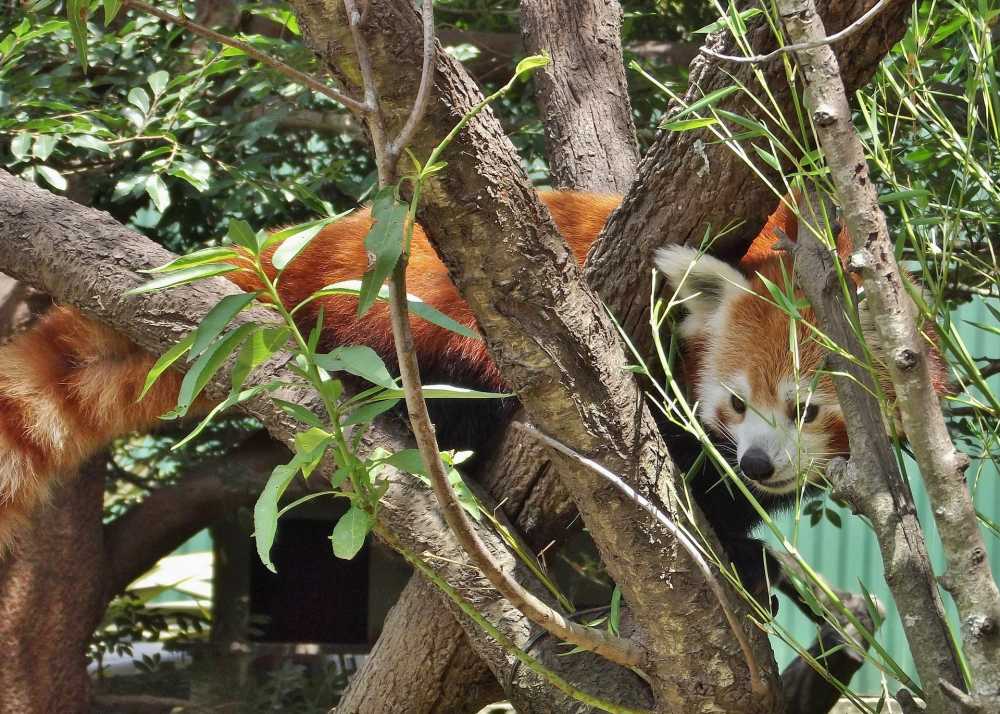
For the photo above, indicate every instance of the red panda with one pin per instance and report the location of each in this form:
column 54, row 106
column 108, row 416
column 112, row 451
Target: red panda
column 69, row 385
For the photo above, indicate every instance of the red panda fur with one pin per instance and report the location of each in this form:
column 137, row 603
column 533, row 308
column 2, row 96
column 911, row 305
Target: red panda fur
column 68, row 386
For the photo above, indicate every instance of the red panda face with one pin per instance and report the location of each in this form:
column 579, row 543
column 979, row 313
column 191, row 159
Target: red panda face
column 755, row 378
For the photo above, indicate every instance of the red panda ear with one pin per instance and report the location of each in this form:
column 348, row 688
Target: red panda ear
column 704, row 283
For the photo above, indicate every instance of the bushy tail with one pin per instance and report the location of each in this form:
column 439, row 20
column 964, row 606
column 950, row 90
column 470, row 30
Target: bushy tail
column 68, row 386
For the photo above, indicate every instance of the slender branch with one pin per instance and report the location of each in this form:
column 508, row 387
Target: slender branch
column 609, row 646
column 968, row 576
column 679, row 533
column 395, row 147
column 801, row 46
column 252, row 52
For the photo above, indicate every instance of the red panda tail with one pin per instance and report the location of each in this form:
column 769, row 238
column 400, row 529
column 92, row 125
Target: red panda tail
column 68, row 386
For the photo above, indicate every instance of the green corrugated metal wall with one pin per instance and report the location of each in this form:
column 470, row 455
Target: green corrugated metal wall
column 848, row 554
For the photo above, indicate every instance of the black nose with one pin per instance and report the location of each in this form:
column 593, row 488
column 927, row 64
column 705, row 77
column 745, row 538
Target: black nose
column 756, row 464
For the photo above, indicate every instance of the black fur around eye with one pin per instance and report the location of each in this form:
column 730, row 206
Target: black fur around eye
column 809, row 413
column 739, row 406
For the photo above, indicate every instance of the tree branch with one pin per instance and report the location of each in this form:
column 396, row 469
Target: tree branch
column 487, row 224
column 387, row 155
column 169, row 516
column 968, row 576
column 871, row 482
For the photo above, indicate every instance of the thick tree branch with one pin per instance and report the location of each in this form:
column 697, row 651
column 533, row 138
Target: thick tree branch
column 968, row 576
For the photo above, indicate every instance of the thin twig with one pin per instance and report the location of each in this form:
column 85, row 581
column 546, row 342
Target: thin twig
column 290, row 72
column 420, row 104
column 829, row 40
column 613, row 648
column 679, row 533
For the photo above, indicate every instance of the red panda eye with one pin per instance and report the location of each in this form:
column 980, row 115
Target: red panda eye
column 739, row 406
column 809, row 413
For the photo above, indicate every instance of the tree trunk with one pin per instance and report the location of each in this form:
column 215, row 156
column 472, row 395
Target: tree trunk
column 49, row 604
column 583, row 95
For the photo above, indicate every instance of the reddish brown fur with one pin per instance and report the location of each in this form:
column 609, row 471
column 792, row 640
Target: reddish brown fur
column 68, row 386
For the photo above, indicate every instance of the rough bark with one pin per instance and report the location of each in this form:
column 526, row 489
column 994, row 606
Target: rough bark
column 583, row 95
column 688, row 182
column 452, row 679
column 51, row 599
column 556, row 346
column 82, row 257
column 871, row 481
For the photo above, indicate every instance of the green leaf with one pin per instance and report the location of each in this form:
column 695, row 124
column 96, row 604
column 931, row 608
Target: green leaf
column 360, row 361
column 908, row 195
column 414, row 305
column 615, row 616
column 299, row 412
column 205, row 367
column 708, row 100
column 444, row 391
column 366, row 414
column 385, row 242
column 311, row 440
column 294, row 240
column 87, row 141
column 216, row 321
column 407, row 460
column 182, row 277
column 265, row 511
column 232, row 400
column 769, row 158
column 689, row 124
column 165, row 360
column 137, row 97
column 52, row 177
column 242, row 234
column 111, row 8
column 205, row 256
column 20, row 145
column 722, row 21
column 258, row 348
column 530, row 64
column 77, row 11
column 157, row 191
column 158, row 81
column 350, row 532
column 44, row 144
